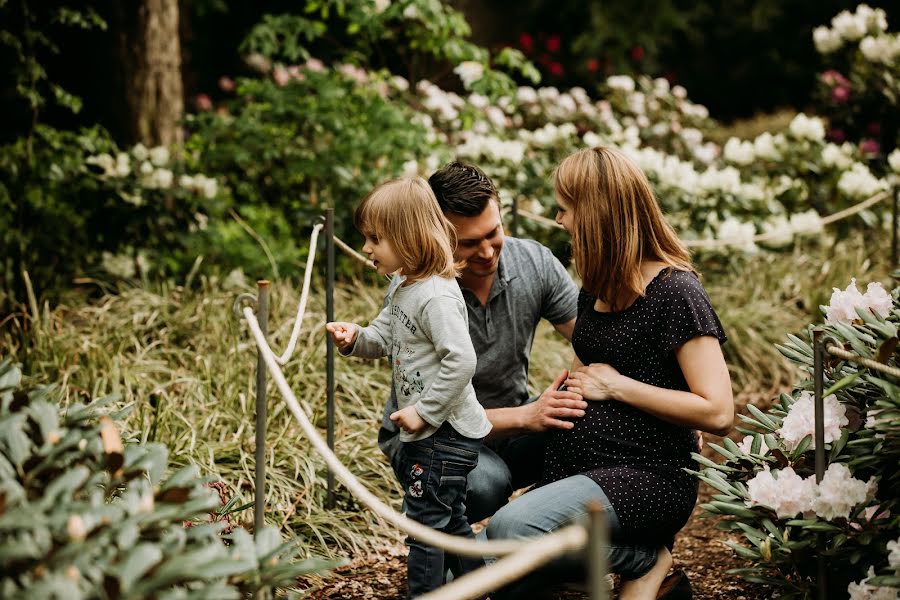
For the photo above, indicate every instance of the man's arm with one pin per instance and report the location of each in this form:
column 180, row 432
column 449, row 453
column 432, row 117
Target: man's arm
column 544, row 413
column 565, row 329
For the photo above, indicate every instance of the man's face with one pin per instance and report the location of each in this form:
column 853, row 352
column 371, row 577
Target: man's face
column 479, row 240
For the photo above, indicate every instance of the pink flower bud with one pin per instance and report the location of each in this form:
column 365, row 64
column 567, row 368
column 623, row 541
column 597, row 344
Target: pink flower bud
column 281, row 76
column 840, row 94
column 203, row 102
column 870, row 147
column 226, row 84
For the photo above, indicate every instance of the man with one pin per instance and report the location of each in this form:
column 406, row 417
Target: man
column 509, row 285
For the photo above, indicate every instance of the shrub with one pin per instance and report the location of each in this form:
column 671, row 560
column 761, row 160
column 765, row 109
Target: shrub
column 766, row 484
column 84, row 515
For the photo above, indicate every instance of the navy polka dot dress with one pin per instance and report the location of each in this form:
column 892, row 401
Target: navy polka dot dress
column 635, row 457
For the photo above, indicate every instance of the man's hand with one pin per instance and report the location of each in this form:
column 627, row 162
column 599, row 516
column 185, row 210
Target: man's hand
column 409, row 420
column 554, row 405
column 343, row 334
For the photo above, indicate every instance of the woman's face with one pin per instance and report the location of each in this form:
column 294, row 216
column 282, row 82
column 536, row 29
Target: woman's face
column 564, row 215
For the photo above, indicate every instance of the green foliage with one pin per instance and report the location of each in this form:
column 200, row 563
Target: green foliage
column 321, row 140
column 83, row 515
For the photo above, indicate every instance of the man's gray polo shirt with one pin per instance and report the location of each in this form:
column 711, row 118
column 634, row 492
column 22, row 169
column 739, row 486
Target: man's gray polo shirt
column 530, row 285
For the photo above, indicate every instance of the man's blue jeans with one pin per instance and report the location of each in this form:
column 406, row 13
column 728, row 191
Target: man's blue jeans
column 434, row 472
column 552, row 507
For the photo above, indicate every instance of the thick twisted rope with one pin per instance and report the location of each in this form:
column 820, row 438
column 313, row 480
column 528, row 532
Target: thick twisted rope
column 758, row 238
column 453, row 544
column 862, row 360
column 527, row 558
column 304, row 296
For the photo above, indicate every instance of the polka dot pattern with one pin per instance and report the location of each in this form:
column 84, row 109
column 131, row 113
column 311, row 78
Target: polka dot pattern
column 635, row 457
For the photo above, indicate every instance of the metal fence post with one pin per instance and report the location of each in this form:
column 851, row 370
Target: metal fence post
column 514, row 225
column 329, row 358
column 262, row 314
column 597, row 548
column 818, row 385
column 894, row 226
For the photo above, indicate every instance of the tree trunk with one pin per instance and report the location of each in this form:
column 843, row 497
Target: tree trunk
column 150, row 49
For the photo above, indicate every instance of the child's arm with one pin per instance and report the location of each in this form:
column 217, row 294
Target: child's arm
column 373, row 341
column 444, row 322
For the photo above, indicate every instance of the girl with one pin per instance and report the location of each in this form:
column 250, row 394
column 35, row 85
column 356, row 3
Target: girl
column 649, row 362
column 424, row 330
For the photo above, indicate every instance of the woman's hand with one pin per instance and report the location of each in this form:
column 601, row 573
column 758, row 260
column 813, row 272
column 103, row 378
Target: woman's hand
column 409, row 420
column 597, row 381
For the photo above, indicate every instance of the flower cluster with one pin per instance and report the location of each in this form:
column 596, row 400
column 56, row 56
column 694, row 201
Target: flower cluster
column 849, row 27
column 152, row 168
column 800, row 421
column 843, row 304
column 789, row 494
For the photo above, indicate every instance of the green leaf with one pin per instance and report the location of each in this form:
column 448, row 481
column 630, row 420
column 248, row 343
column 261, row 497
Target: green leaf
column 138, row 562
column 841, row 384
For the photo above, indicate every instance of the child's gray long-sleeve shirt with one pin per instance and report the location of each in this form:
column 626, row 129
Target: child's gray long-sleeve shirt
column 424, row 330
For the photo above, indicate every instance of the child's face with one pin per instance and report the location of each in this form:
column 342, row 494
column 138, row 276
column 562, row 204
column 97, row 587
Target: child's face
column 381, row 252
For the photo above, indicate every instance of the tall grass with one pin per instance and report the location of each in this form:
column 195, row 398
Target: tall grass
column 186, row 364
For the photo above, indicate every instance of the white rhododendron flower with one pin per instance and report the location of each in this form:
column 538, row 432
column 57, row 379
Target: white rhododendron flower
column 809, row 128
column 837, row 156
column 864, row 591
column 827, row 40
column 843, row 303
column 883, row 48
column 621, row 82
column 851, row 27
column 894, row 555
column 381, row 5
column 838, row 493
column 739, row 152
column 788, row 494
column 591, row 139
column 747, row 444
column 800, row 420
column 858, row 182
column 765, row 146
column 741, row 234
column 469, row 71
column 806, row 222
column 894, row 160
column 159, row 156
column 120, row 265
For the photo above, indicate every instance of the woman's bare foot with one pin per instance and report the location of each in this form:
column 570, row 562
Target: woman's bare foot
column 647, row 586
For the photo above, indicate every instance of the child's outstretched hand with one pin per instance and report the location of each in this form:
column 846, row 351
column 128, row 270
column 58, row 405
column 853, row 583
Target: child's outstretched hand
column 409, row 420
column 343, row 334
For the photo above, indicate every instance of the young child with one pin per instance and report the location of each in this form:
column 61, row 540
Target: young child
column 424, row 330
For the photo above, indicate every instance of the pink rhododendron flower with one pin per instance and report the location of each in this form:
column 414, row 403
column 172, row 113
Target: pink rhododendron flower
column 281, row 76
column 833, row 78
column 314, row 64
column 869, row 146
column 747, row 444
column 864, row 591
column 843, row 304
column 837, row 135
column 840, row 95
column 226, row 84
column 800, row 420
column 203, row 102
column 787, row 495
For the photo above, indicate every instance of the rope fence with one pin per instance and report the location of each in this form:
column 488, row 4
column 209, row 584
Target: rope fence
column 862, row 360
column 721, row 243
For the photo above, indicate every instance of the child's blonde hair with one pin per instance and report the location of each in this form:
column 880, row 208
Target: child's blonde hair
column 406, row 213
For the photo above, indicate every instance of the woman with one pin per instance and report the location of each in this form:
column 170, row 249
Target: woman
column 649, row 362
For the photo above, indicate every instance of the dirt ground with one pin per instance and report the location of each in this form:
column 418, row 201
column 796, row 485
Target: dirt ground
column 700, row 551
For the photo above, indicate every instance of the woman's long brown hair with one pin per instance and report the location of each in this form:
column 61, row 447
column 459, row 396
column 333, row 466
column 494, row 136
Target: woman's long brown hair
column 617, row 224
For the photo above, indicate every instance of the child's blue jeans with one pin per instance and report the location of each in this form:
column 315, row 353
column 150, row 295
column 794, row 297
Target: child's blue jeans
column 434, row 472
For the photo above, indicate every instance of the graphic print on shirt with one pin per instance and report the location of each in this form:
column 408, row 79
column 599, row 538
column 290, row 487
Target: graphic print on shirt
column 405, row 383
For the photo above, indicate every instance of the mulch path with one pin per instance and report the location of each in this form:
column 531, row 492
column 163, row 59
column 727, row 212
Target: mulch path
column 700, row 551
